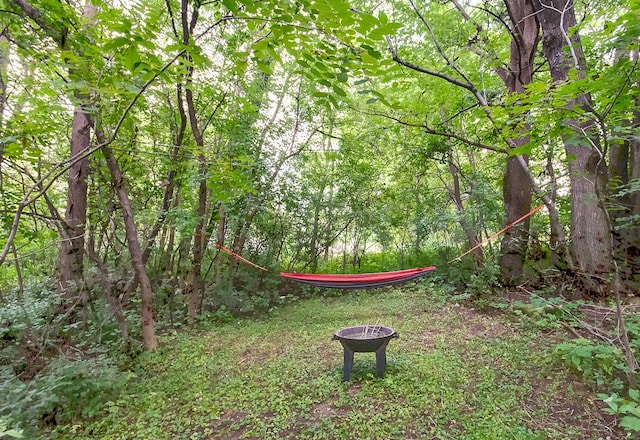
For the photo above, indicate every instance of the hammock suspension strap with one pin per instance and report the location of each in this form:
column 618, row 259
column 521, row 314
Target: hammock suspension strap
column 239, row 257
column 492, row 236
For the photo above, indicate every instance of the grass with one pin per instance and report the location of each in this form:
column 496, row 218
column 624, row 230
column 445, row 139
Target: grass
column 454, row 373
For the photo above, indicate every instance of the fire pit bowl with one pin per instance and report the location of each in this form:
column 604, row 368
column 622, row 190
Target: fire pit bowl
column 369, row 338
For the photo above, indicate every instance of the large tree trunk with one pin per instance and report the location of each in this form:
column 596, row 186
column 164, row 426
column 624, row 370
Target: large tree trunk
column 195, row 283
column 590, row 234
column 517, row 187
column 71, row 255
column 624, row 165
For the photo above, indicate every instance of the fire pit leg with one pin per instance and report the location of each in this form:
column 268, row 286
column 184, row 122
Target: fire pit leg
column 381, row 360
column 348, row 364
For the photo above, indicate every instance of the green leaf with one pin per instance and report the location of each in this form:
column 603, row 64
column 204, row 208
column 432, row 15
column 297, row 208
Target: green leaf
column 116, row 43
column 230, row 5
column 631, row 422
column 12, row 150
column 339, row 91
column 342, row 77
column 634, row 394
column 251, row 6
column 375, row 54
column 630, row 408
column 265, row 67
column 260, row 45
column 131, row 58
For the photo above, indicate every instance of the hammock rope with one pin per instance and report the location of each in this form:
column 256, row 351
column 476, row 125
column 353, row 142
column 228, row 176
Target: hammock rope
column 369, row 280
column 239, row 257
column 492, row 236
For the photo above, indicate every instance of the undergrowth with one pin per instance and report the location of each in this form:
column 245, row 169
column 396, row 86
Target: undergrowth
column 50, row 373
column 455, row 373
column 596, row 351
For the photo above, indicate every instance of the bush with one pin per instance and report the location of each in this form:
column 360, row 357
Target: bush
column 65, row 391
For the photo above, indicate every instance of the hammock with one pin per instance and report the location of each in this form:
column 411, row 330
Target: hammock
column 369, row 280
column 360, row 280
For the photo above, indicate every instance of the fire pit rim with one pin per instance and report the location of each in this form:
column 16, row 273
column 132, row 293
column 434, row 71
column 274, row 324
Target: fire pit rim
column 388, row 333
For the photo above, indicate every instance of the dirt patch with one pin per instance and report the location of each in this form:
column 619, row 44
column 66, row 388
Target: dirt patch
column 228, row 426
column 267, row 349
column 471, row 324
column 354, row 389
column 570, row 405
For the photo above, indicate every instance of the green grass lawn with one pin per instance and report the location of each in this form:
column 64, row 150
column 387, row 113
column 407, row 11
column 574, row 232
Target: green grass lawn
column 454, row 373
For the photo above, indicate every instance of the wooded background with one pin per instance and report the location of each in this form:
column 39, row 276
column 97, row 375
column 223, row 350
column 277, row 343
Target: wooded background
column 312, row 135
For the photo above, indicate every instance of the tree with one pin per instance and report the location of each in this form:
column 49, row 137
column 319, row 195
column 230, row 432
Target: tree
column 72, row 244
column 517, row 187
column 590, row 233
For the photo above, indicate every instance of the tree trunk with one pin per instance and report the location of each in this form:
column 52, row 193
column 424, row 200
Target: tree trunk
column 455, row 194
column 70, row 258
column 315, row 231
column 195, row 274
column 222, row 223
column 516, row 192
column 146, row 293
column 517, row 187
column 590, row 235
column 624, row 166
column 71, row 254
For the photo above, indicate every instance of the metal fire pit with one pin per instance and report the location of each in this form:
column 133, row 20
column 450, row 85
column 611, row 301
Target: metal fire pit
column 365, row 339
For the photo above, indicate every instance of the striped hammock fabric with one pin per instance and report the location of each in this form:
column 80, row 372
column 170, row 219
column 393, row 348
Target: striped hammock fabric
column 359, row 280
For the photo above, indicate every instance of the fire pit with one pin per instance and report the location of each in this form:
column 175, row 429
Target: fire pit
column 369, row 338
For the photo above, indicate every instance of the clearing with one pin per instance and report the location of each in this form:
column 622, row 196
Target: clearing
column 455, row 373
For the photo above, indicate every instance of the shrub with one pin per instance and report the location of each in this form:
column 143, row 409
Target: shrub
column 65, row 391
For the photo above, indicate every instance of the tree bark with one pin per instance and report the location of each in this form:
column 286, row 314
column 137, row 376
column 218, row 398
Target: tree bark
column 516, row 187
column 591, row 240
column 71, row 254
column 624, row 166
column 146, row 293
column 195, row 284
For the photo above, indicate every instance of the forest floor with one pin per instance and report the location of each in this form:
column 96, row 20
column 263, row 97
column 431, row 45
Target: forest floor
column 455, row 372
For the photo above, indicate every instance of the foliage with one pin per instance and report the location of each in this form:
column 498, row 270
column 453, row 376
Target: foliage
column 454, row 373
column 599, row 362
column 6, row 432
column 628, row 409
column 45, row 379
column 65, row 391
column 318, row 152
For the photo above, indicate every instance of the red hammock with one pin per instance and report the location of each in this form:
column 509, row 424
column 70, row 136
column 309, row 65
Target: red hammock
column 358, row 280
column 368, row 280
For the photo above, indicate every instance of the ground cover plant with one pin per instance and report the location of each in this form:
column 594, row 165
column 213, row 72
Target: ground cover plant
column 456, row 372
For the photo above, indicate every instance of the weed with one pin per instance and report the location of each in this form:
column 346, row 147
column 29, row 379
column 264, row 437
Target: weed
column 629, row 409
